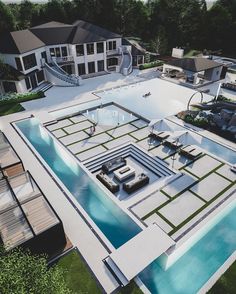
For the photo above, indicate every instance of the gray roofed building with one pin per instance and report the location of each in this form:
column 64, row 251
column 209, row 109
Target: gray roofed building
column 19, row 42
column 194, row 64
column 96, row 29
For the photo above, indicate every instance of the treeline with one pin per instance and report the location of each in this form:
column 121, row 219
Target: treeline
column 162, row 24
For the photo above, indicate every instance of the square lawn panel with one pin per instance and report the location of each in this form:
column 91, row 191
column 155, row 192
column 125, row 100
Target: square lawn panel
column 181, row 208
column 227, row 172
column 178, row 185
column 209, row 187
column 78, row 127
column 60, row 124
column 162, row 151
column 91, row 153
column 140, row 123
column 141, row 134
column 149, row 204
column 119, row 141
column 89, row 143
column 203, row 166
column 120, row 131
column 73, row 138
column 78, row 118
column 59, row 133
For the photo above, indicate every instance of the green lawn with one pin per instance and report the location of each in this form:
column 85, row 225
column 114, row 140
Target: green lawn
column 10, row 108
column 79, row 278
column 227, row 283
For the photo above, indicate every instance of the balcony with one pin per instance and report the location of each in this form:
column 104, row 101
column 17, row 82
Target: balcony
column 64, row 59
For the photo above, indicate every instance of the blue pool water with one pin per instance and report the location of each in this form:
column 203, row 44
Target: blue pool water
column 110, row 115
column 115, row 224
column 191, row 271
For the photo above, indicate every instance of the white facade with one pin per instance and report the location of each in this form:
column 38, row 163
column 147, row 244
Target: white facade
column 70, row 58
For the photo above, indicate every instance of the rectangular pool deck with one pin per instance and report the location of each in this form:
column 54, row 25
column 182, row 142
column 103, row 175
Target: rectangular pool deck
column 179, row 207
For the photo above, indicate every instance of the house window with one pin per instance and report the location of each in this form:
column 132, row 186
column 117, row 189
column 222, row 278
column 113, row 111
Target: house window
column 111, row 45
column 90, row 49
column 52, row 52
column 112, row 61
column 40, row 76
column 27, row 82
column 58, row 52
column 91, row 67
column 44, row 55
column 81, row 69
column 29, row 61
column 9, row 87
column 79, row 50
column 140, row 59
column 100, row 47
column 100, row 65
column 18, row 63
column 64, row 51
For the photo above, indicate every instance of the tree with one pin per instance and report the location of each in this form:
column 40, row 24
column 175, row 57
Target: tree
column 7, row 20
column 22, row 272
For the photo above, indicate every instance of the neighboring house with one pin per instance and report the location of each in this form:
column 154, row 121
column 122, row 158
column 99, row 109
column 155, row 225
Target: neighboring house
column 194, row 70
column 59, row 53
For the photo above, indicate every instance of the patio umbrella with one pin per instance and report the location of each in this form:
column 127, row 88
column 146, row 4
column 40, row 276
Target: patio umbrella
column 187, row 138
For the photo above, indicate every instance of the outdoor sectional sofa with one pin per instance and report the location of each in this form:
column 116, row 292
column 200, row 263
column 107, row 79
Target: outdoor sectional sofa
column 107, row 182
column 113, row 164
column 137, row 183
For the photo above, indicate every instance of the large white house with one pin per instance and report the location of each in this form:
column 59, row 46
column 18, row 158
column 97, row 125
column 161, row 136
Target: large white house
column 60, row 54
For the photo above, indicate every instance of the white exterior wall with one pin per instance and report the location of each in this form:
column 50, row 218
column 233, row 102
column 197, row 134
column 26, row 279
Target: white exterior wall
column 89, row 57
column 38, row 59
column 21, row 86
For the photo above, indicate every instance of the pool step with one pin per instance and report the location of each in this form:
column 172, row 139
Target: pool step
column 156, row 165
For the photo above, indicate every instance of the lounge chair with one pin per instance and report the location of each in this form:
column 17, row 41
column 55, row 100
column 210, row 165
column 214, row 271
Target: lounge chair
column 190, row 152
column 172, row 143
column 159, row 135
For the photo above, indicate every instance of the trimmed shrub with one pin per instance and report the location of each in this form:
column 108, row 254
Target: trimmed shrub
column 151, row 64
column 18, row 97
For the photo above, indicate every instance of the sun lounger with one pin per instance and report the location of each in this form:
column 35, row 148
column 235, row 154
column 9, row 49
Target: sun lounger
column 172, row 143
column 159, row 135
column 190, row 152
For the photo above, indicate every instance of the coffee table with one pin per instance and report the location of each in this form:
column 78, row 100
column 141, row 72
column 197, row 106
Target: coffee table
column 124, row 172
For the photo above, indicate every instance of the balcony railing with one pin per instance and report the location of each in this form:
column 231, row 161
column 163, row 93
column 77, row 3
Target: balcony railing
column 64, row 59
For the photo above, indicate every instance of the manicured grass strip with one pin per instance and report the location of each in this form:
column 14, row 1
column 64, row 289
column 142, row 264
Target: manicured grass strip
column 10, row 108
column 131, row 288
column 77, row 275
column 79, row 279
column 226, row 284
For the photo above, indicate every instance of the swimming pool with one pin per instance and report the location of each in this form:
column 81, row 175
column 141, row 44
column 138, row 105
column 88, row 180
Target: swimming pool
column 114, row 223
column 193, row 269
column 109, row 115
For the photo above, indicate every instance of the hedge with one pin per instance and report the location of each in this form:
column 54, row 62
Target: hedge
column 151, row 64
column 19, row 98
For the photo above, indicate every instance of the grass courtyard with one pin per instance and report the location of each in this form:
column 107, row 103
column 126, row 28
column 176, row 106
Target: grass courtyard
column 80, row 280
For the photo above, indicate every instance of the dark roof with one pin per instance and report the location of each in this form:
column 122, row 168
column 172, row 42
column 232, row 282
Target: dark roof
column 136, row 48
column 9, row 73
column 18, row 42
column 96, row 29
column 53, row 33
column 194, row 64
column 51, row 24
column 80, row 35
